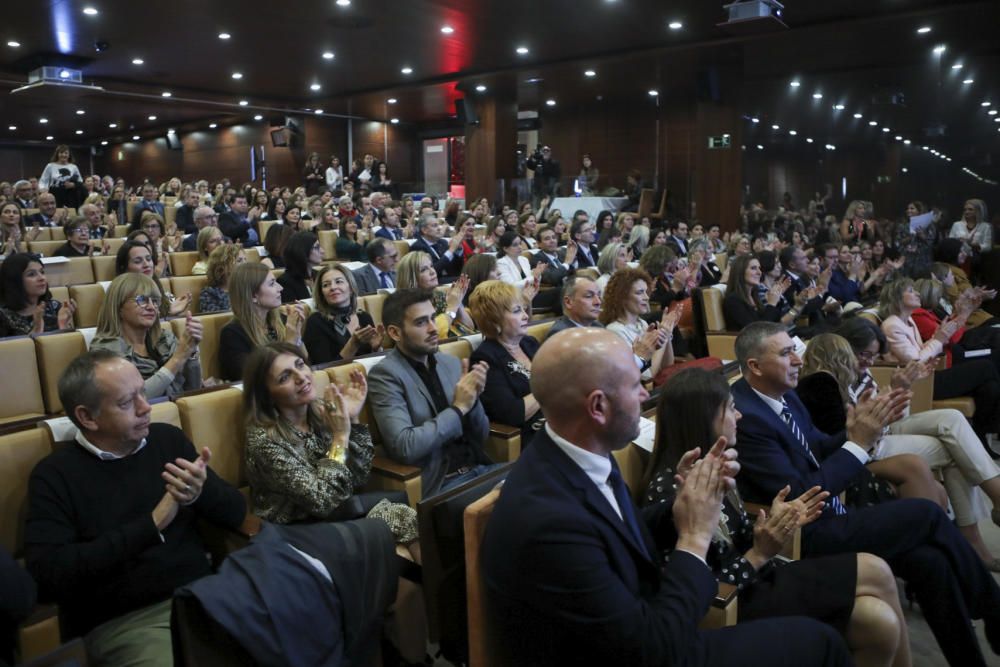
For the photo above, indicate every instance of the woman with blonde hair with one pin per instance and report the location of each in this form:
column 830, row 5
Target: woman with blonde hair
column 416, row 270
column 255, row 296
column 613, row 257
column 858, row 224
column 129, row 325
column 214, row 296
column 974, row 228
column 209, row 238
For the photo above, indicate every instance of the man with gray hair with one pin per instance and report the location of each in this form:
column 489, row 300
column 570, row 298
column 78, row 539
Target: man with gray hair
column 95, row 220
column 781, row 448
column 48, row 215
column 111, row 520
column 204, row 216
column 445, row 255
column 23, row 194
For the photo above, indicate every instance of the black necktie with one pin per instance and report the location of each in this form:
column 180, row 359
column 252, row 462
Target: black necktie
column 625, row 506
column 786, row 415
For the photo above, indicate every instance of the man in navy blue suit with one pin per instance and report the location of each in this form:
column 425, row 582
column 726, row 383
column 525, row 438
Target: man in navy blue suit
column 571, row 565
column 445, row 255
column 779, row 445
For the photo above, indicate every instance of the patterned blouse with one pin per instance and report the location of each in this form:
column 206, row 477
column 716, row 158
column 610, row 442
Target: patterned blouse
column 298, row 481
column 13, row 323
column 731, row 540
column 213, row 300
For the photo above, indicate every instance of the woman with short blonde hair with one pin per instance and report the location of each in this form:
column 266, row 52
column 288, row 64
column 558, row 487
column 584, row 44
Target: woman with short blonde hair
column 222, row 262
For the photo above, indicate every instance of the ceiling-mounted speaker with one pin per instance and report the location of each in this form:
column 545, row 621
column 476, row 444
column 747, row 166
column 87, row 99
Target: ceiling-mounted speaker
column 466, row 112
column 174, row 142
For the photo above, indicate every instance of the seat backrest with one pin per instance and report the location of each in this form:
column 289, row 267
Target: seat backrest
column 923, row 389
column 169, row 214
column 403, row 247
column 181, row 263
column 460, row 348
column 372, row 304
column 645, row 202
column 130, row 209
column 481, row 637
column 540, row 330
column 77, row 270
column 252, row 255
column 711, row 300
column 209, row 346
column 45, row 248
column 181, row 285
column 630, row 462
column 21, row 390
column 89, row 299
column 328, row 241
column 721, row 260
column 60, row 294
column 19, row 453
column 121, row 231
column 104, row 267
column 214, row 419
column 55, row 351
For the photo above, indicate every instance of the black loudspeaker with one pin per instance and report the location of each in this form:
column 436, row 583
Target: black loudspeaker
column 279, row 138
column 466, row 112
column 709, row 86
column 174, row 142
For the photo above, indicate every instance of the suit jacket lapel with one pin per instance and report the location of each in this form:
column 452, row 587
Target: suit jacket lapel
column 415, row 381
column 777, row 423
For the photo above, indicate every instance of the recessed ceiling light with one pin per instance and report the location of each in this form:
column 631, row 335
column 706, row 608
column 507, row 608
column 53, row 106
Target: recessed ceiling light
column 80, row 112
column 654, row 93
column 112, row 125
column 792, row 133
column 237, row 75
column 407, row 70
column 315, row 86
column 755, row 120
column 817, row 96
column 926, row 148
column 90, row 11
column 447, row 29
column 904, row 170
column 898, row 138
column 809, row 140
column 12, row 44
column 522, row 50
column 343, row 3
column 907, row 142
column 137, row 61
column 78, row 131
column 135, row 137
column 550, row 102
column 857, row 115
column 258, row 117
column 166, row 93
column 968, row 81
column 104, row 143
column 992, row 112
column 675, row 25
column 759, row 147
column 885, row 129
column 224, row 35
column 328, row 55
column 589, row 72
column 212, row 126
column 775, row 127
column 43, row 121
column 171, row 131
column 49, row 138
column 243, row 103
column 940, row 48
column 12, row 127
column 957, row 66
column 318, row 112
column 984, row 104
column 795, row 83
column 481, row 88
column 873, row 123
column 394, row 121
column 838, row 107
column 151, row 117
column 391, row 100
column 831, row 147
column 923, row 30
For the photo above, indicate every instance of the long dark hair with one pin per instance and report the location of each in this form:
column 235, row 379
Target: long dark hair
column 12, row 292
column 685, row 416
column 297, row 251
column 259, row 408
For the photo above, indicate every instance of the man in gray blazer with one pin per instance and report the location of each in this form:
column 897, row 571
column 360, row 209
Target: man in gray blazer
column 380, row 272
column 427, row 409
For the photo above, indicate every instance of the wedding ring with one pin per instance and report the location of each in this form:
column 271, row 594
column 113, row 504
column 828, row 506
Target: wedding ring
column 187, row 488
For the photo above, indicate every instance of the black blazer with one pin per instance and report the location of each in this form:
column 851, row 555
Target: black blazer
column 324, row 343
column 185, row 220
column 447, row 269
column 739, row 313
column 234, row 348
column 582, row 261
column 295, row 287
column 232, row 226
column 821, row 396
column 553, row 275
column 507, row 383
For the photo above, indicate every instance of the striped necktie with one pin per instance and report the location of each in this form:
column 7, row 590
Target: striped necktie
column 786, row 416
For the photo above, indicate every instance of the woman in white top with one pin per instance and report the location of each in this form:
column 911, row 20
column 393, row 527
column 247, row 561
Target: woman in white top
column 62, row 178
column 974, row 228
column 625, row 301
column 511, row 267
column 334, row 175
column 613, row 257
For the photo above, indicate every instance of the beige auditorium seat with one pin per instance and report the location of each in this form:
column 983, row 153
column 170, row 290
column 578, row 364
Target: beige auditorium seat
column 104, row 268
column 209, row 347
column 76, row 271
column 89, row 299
column 45, row 248
column 328, row 241
column 55, row 351
column 540, row 330
column 721, row 343
column 181, row 263
column 181, row 285
column 402, row 247
column 21, row 390
column 214, row 419
column 460, row 348
column 60, row 294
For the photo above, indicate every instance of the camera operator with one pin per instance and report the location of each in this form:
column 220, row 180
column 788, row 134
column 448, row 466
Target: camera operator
column 547, row 173
column 62, row 178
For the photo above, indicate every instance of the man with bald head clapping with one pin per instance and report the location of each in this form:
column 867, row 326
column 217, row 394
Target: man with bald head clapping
column 568, row 559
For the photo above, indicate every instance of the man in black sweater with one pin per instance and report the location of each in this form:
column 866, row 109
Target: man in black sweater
column 111, row 520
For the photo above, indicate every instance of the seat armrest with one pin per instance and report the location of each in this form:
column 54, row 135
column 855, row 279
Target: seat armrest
column 503, row 445
column 386, row 467
column 725, row 595
column 388, row 475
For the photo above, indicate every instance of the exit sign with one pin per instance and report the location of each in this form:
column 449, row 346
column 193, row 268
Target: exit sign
column 723, row 141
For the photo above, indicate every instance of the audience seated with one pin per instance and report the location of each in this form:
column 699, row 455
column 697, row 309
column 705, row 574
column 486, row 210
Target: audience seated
column 952, row 252
column 854, row 593
column 780, row 447
column 255, row 296
column 129, row 326
column 512, row 268
column 507, row 350
column 77, row 231
column 978, row 377
column 446, row 256
column 14, row 235
column 204, row 216
column 302, row 255
column 568, row 564
column 149, row 202
column 275, row 241
column 214, row 296
column 337, row 330
column 48, row 214
column 581, row 234
column 26, row 304
column 103, row 539
column 427, row 409
column 350, row 244
column 137, row 257
column 209, row 238
column 379, row 273
column 934, row 308
column 614, row 256
column 558, row 263
column 625, row 301
column 235, row 224
column 744, row 303
column 416, row 271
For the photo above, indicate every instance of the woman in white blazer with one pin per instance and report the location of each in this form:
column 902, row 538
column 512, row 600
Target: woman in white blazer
column 511, row 267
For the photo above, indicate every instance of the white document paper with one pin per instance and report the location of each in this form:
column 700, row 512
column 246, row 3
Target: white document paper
column 647, row 434
column 918, row 222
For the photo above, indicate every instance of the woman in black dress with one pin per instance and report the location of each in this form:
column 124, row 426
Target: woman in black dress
column 302, row 255
column 338, row 330
column 855, row 593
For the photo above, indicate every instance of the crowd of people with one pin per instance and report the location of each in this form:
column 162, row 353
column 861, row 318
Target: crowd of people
column 576, row 571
